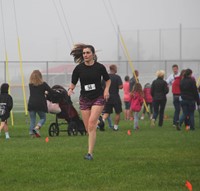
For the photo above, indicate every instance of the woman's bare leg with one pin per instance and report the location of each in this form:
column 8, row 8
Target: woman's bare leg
column 90, row 119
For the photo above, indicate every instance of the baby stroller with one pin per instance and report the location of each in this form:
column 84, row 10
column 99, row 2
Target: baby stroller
column 68, row 112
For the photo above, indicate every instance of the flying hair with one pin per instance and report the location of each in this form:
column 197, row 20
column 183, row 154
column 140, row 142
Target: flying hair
column 77, row 52
column 137, row 88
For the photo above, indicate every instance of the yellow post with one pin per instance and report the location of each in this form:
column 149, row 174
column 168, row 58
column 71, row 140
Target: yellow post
column 198, row 82
column 8, row 77
column 131, row 65
column 22, row 78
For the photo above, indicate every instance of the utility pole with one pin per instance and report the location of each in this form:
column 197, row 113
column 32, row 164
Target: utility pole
column 180, row 28
column 138, row 44
column 118, row 44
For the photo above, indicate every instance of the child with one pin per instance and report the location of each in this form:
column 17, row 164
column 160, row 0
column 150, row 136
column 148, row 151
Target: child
column 148, row 99
column 136, row 102
column 6, row 104
column 126, row 97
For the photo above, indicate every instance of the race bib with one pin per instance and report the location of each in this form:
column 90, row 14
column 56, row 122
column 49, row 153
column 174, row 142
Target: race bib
column 2, row 109
column 90, row 87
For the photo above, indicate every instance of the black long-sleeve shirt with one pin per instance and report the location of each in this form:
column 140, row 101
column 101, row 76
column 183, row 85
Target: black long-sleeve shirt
column 189, row 90
column 90, row 79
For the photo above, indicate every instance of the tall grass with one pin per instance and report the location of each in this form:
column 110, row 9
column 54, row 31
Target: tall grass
column 152, row 159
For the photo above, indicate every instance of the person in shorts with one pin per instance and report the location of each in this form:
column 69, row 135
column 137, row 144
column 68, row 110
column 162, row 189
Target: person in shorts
column 114, row 101
column 92, row 96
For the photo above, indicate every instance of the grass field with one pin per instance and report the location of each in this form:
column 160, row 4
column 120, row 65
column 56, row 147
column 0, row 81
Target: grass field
column 152, row 159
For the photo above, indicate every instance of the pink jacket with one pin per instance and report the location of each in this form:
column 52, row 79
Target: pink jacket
column 136, row 102
column 126, row 88
column 147, row 95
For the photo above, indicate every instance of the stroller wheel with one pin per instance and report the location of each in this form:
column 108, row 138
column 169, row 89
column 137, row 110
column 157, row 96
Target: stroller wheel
column 53, row 130
column 72, row 128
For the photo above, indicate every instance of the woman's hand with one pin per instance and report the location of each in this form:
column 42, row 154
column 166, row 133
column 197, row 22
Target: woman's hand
column 70, row 92
column 106, row 95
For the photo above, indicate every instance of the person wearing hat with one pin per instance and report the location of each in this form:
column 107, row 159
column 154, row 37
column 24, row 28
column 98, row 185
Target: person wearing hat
column 6, row 105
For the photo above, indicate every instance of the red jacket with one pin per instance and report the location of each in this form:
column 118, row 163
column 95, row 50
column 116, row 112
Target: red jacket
column 136, row 102
column 147, row 95
column 176, row 85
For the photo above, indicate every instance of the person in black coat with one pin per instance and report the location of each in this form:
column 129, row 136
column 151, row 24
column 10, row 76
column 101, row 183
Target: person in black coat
column 159, row 90
column 37, row 103
column 6, row 105
column 189, row 95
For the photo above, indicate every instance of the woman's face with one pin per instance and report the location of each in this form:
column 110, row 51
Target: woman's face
column 87, row 55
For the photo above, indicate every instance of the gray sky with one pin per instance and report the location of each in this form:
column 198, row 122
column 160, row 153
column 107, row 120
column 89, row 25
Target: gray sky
column 42, row 36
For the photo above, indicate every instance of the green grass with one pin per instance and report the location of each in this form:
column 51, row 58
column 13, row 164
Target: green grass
column 152, row 159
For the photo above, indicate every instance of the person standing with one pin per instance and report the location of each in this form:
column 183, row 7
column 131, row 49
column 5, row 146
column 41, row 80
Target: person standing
column 114, row 100
column 126, row 97
column 136, row 102
column 172, row 76
column 148, row 99
column 159, row 90
column 176, row 94
column 176, row 100
column 189, row 95
column 132, row 82
column 6, row 105
column 92, row 96
column 37, row 103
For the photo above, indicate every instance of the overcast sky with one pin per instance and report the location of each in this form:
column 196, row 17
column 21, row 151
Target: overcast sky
column 42, row 36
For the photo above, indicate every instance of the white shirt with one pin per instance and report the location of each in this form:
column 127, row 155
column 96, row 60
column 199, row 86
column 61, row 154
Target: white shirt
column 170, row 79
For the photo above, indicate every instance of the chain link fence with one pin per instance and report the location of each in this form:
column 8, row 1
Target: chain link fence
column 59, row 72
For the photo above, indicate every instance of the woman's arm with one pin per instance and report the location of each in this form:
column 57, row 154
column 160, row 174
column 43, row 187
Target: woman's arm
column 70, row 89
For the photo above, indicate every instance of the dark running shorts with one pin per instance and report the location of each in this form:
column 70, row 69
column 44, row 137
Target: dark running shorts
column 5, row 117
column 109, row 108
column 127, row 105
column 86, row 104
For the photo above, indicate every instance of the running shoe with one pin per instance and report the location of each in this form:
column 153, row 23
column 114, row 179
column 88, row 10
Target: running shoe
column 153, row 123
column 36, row 132
column 88, row 157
